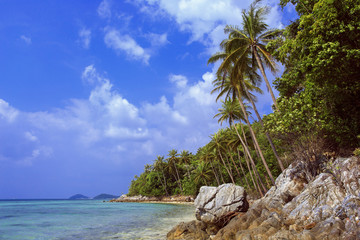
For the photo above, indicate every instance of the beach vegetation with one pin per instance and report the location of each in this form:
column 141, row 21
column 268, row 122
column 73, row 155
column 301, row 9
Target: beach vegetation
column 317, row 110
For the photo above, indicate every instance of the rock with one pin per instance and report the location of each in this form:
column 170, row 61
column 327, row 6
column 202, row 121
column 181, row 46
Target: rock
column 214, row 203
column 317, row 202
column 348, row 169
column 332, row 228
column 189, row 231
column 302, row 205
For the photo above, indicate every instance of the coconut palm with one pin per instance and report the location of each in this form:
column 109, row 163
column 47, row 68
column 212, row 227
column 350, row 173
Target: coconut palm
column 206, row 155
column 172, row 164
column 202, row 172
column 217, row 144
column 159, row 166
column 250, row 42
column 244, row 47
column 234, row 88
column 185, row 160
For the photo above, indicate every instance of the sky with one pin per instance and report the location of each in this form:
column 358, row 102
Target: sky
column 91, row 90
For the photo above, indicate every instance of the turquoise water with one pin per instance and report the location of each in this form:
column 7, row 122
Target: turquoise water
column 88, row 219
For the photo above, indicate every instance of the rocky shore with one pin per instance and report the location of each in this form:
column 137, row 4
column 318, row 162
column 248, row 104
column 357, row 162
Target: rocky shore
column 310, row 200
column 163, row 199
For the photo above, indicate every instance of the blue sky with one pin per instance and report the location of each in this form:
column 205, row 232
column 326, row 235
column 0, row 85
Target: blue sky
column 91, row 91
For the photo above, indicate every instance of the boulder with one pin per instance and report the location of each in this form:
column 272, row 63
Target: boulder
column 316, row 203
column 215, row 204
column 303, row 205
column 189, row 231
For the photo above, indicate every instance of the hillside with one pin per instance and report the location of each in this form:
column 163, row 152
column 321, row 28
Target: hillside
column 78, row 197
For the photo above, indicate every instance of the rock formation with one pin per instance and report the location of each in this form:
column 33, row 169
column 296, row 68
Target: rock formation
column 214, row 203
column 301, row 205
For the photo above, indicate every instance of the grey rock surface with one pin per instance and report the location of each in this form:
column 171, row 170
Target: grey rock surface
column 212, row 203
column 325, row 206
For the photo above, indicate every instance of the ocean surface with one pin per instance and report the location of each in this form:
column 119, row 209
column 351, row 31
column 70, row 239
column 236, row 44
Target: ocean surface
column 88, row 219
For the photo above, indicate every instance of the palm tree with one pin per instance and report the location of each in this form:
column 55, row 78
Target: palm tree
column 172, row 162
column 202, row 172
column 241, row 50
column 185, row 159
column 217, row 144
column 207, row 156
column 250, row 42
column 251, row 100
column 230, row 111
column 241, row 144
column 234, row 88
column 159, row 167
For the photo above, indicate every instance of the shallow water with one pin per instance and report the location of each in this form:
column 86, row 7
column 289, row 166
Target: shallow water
column 88, row 219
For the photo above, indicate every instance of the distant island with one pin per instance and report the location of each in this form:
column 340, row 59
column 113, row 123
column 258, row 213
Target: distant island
column 105, row 196
column 98, row 197
column 78, row 197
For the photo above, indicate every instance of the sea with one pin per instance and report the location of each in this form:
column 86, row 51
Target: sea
column 89, row 219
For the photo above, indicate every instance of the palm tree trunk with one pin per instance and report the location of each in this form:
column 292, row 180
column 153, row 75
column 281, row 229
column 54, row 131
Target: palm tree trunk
column 242, row 170
column 259, row 182
column 265, row 78
column 230, row 175
column 236, row 168
column 167, row 193
column 215, row 173
column 246, row 148
column 247, row 153
column 163, row 184
column 255, row 181
column 221, row 175
column 178, row 178
column 255, row 140
column 267, row 134
column 229, row 166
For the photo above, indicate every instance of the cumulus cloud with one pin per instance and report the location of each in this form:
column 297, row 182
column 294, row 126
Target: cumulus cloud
column 108, row 120
column 85, row 37
column 158, row 40
column 7, row 112
column 104, row 9
column 123, row 43
column 205, row 20
column 106, row 131
column 179, row 80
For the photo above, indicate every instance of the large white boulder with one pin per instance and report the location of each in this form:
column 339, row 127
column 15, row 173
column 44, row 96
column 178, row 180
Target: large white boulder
column 214, row 203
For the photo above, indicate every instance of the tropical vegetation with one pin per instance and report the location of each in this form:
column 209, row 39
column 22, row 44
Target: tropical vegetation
column 317, row 112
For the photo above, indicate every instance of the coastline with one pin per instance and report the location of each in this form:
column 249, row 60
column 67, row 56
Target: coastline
column 177, row 199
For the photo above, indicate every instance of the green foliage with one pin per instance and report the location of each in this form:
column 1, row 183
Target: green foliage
column 318, row 108
column 357, row 152
column 320, row 89
column 190, row 187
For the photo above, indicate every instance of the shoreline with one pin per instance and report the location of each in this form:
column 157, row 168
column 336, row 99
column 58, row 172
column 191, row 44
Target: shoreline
column 178, row 199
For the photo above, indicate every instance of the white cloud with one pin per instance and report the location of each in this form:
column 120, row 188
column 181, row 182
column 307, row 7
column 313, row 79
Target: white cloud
column 7, row 112
column 104, row 9
column 158, row 40
column 163, row 114
column 198, row 16
column 204, row 19
column 124, row 43
column 85, row 37
column 30, row 136
column 179, row 80
column 27, row 40
column 90, row 75
column 105, row 133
